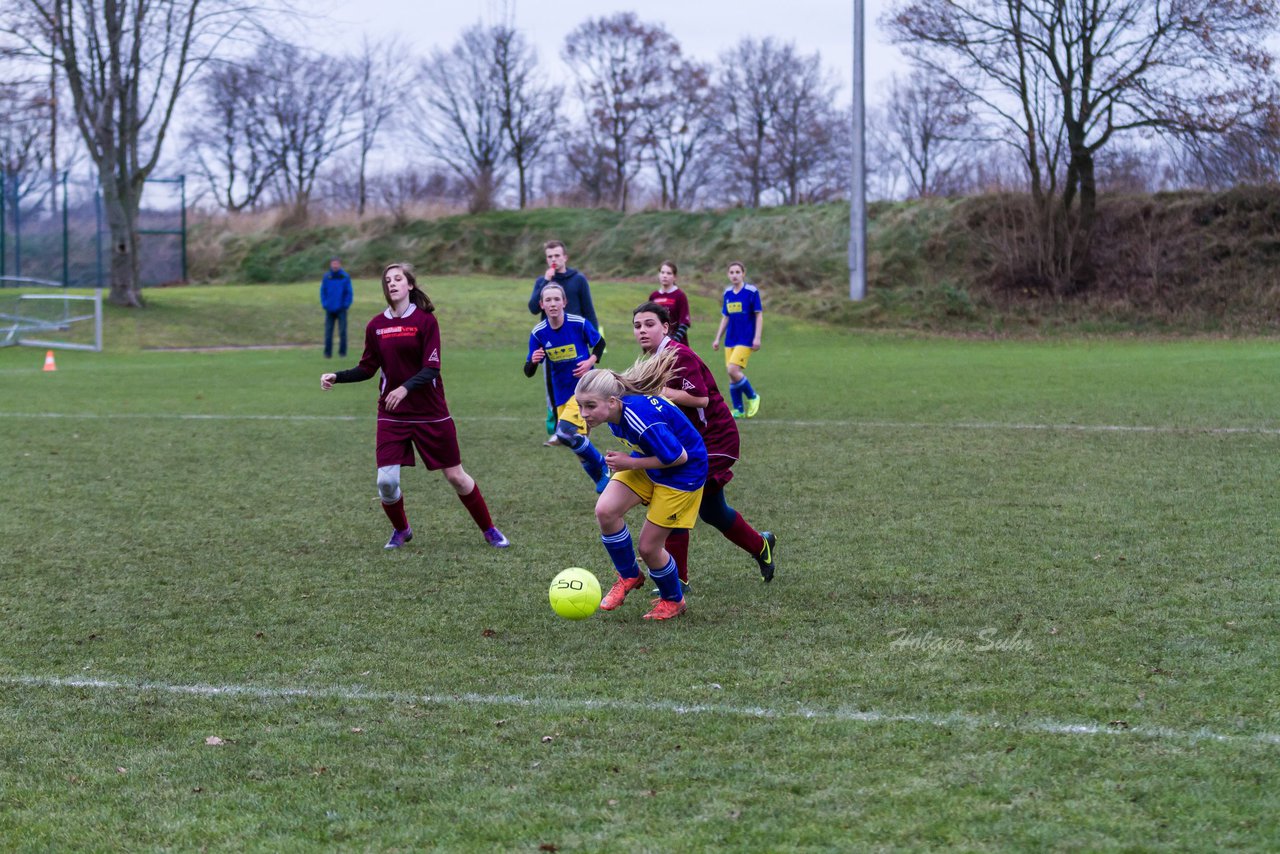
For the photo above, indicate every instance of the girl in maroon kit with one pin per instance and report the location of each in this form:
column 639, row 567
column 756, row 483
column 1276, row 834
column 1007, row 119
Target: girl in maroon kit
column 669, row 296
column 404, row 343
column 694, row 390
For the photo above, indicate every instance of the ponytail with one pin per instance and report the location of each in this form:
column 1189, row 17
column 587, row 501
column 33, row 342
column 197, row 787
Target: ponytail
column 647, row 376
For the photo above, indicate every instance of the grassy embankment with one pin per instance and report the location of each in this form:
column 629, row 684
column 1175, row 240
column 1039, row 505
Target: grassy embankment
column 1183, row 262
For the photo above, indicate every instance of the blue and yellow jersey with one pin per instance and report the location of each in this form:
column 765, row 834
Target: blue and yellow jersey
column 654, row 427
column 565, row 348
column 741, row 308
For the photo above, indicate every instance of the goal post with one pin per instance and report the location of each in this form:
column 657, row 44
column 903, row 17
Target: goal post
column 58, row 321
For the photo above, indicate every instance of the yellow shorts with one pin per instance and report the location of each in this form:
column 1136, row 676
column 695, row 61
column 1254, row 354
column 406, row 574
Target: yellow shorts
column 668, row 508
column 736, row 356
column 569, row 412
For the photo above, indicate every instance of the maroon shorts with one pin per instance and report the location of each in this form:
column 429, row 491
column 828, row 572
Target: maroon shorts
column 436, row 441
column 719, row 469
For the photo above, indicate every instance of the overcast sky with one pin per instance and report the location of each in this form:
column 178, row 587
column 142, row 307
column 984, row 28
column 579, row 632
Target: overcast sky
column 704, row 28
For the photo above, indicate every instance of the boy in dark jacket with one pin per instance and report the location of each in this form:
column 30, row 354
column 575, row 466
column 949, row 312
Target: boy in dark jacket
column 335, row 296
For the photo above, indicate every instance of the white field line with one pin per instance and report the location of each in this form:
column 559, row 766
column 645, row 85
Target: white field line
column 554, row 704
column 777, row 422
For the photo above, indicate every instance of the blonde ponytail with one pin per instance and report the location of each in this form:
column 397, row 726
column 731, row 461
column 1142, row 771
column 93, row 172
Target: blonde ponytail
column 649, row 375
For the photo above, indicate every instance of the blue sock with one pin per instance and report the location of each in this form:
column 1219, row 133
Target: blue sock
column 622, row 553
column 591, row 458
column 668, row 580
column 747, row 389
column 735, row 393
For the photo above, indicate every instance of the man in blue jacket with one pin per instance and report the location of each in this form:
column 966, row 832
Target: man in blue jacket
column 335, row 296
column 577, row 295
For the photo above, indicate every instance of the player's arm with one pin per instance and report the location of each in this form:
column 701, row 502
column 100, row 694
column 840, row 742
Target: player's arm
column 351, row 375
column 665, row 451
column 365, row 370
column 724, row 322
column 755, row 345
column 683, row 318
column 536, row 354
column 680, row 397
column 592, row 360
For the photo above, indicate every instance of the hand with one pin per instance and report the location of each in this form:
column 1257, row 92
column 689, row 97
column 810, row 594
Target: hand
column 550, row 274
column 755, row 345
column 393, row 398
column 538, row 355
column 618, row 461
column 585, row 365
column 327, row 380
column 715, row 345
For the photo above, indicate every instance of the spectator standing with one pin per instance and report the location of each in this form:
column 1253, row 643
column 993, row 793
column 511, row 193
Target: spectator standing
column 335, row 296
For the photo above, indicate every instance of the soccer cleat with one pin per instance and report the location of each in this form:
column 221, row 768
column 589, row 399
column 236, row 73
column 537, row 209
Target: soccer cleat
column 738, row 413
column 399, row 538
column 765, row 558
column 602, row 483
column 752, row 406
column 665, row 609
column 495, row 538
column 619, row 591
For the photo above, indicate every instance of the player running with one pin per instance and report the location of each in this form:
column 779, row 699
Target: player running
column 665, row 469
column 741, row 325
column 403, row 341
column 694, row 390
column 568, row 346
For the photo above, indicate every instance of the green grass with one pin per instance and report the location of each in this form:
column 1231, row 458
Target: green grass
column 924, row 489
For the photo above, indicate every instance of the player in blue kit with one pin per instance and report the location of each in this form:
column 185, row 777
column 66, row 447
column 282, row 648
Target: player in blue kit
column 741, row 325
column 665, row 469
column 568, row 346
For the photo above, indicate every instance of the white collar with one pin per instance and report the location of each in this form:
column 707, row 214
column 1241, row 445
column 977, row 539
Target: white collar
column 386, row 312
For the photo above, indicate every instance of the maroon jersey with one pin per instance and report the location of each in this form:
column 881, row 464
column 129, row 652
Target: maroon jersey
column 714, row 421
column 676, row 304
column 401, row 347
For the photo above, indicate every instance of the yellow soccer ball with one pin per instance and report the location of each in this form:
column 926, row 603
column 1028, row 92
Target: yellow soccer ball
column 575, row 594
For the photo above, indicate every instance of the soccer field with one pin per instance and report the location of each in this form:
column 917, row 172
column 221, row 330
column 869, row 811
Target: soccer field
column 1027, row 598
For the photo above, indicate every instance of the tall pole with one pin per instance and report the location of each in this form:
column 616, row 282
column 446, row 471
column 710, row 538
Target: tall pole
column 858, row 190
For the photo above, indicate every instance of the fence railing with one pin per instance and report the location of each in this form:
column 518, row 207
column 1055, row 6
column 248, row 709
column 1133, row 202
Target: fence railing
column 53, row 231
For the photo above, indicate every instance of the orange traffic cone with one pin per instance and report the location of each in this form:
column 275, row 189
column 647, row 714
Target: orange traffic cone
column 49, row 363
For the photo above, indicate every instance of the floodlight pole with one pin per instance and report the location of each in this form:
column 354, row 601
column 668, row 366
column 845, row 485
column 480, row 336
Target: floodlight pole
column 858, row 188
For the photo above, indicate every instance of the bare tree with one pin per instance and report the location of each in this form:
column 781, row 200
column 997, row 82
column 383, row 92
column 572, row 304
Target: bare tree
column 24, row 151
column 463, row 108
column 228, row 137
column 620, row 64
column 748, row 81
column 125, row 66
column 1073, row 75
column 925, row 127
column 382, row 82
column 306, row 116
column 530, row 109
column 805, row 133
column 679, row 127
column 1249, row 153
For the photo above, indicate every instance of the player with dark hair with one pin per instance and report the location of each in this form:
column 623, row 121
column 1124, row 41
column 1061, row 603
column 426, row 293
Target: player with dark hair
column 403, row 342
column 741, row 325
column 567, row 346
column 665, row 469
column 669, row 296
column 694, row 390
